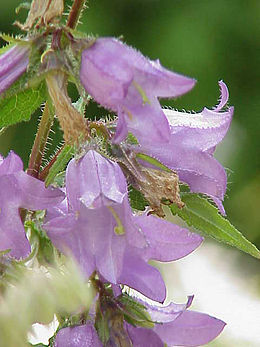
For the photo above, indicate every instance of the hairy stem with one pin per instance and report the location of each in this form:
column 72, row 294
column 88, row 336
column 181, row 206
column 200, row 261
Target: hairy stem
column 74, row 14
column 44, row 173
column 40, row 142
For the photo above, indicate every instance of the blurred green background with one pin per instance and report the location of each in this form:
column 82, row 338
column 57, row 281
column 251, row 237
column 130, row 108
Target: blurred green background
column 207, row 40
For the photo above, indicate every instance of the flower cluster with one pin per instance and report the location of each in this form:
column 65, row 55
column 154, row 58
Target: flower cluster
column 90, row 218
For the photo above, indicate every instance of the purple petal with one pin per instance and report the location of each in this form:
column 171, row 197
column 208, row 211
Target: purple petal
column 203, row 130
column 164, row 83
column 11, row 164
column 148, row 123
column 166, row 241
column 141, row 337
column 104, row 73
column 224, row 95
column 142, row 277
column 12, row 235
column 89, row 236
column 219, row 204
column 20, row 190
column 13, row 63
column 123, row 80
column 78, row 336
column 72, row 238
column 165, row 314
column 121, row 129
column 204, row 174
column 58, row 210
column 33, row 195
column 109, row 66
column 200, row 170
column 190, row 329
column 94, row 181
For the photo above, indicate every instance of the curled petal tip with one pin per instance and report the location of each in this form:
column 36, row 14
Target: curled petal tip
column 224, row 95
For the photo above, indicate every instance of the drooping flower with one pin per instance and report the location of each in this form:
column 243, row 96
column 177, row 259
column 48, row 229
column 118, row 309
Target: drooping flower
column 101, row 232
column 123, row 80
column 191, row 147
column 176, row 326
column 13, row 63
column 19, row 190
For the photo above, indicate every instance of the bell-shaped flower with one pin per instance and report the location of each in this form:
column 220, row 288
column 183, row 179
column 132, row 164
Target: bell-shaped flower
column 13, row 63
column 19, row 190
column 191, row 147
column 175, row 326
column 121, row 79
column 101, row 233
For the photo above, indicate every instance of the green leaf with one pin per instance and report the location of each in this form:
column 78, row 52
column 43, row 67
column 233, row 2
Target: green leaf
column 101, row 325
column 134, row 312
column 202, row 215
column 153, row 161
column 137, row 200
column 20, row 107
column 60, row 163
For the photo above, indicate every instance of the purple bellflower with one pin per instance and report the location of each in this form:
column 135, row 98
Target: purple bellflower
column 192, row 143
column 174, row 325
column 98, row 228
column 13, row 63
column 121, row 79
column 19, row 190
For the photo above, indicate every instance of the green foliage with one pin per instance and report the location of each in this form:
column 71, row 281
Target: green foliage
column 59, row 165
column 153, row 161
column 44, row 249
column 101, row 324
column 135, row 313
column 203, row 216
column 19, row 107
column 137, row 200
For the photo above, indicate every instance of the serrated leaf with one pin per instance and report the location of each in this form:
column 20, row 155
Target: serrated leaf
column 203, row 216
column 20, row 107
column 137, row 200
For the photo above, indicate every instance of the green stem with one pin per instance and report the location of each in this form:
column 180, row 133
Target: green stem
column 74, row 14
column 40, row 142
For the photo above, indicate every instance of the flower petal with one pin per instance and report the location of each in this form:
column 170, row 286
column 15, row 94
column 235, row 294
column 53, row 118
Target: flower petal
column 72, row 237
column 12, row 235
column 78, row 336
column 190, row 329
column 142, row 277
column 141, row 337
column 94, row 181
column 202, row 131
column 11, row 164
column 166, row 241
column 202, row 172
column 13, row 63
column 33, row 194
column 166, row 314
column 105, row 73
column 148, row 123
